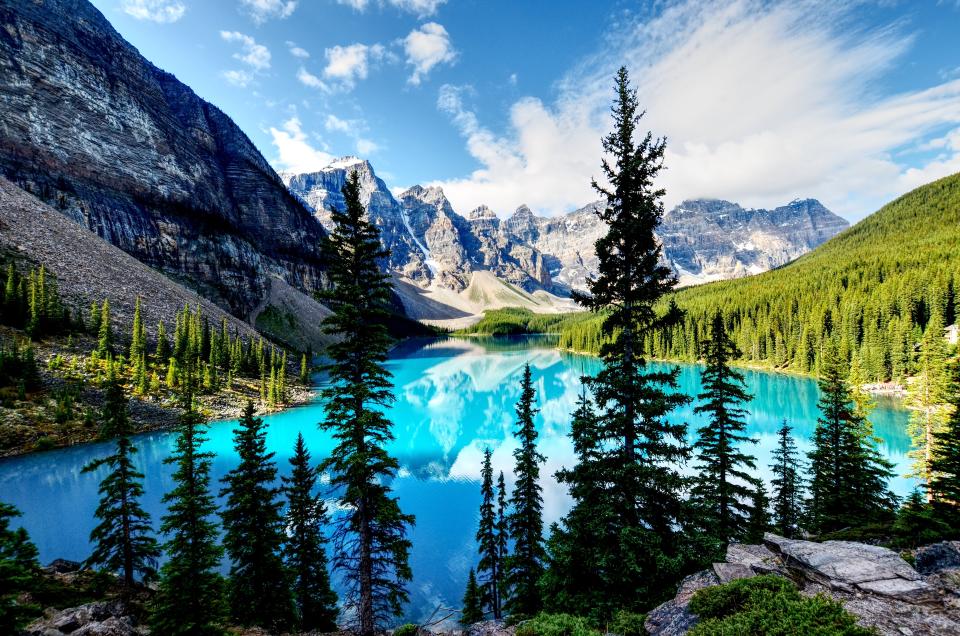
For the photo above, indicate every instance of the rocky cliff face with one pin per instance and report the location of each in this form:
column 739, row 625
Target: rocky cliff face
column 432, row 244
column 114, row 143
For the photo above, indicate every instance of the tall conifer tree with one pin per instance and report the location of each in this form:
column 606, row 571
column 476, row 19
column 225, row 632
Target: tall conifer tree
column 490, row 568
column 305, row 549
column 190, row 599
column 645, row 515
column 525, row 566
column 928, row 398
column 258, row 587
column 105, row 331
column 19, row 571
column 372, row 549
column 787, row 484
column 724, row 489
column 472, row 611
column 848, row 478
column 123, row 540
column 945, row 481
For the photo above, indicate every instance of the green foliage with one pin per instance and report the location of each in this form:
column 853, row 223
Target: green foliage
column 769, row 606
column 630, row 515
column 123, row 540
column 32, row 302
column 921, row 523
column 848, row 476
column 722, row 489
column 873, row 289
column 787, row 484
column 472, row 611
column 407, row 629
column 927, row 398
column 557, row 625
column 371, row 535
column 518, row 320
column 19, row 572
column 305, row 548
column 525, row 566
column 189, row 600
column 627, row 624
column 945, row 484
column 258, row 588
column 491, row 563
column 18, row 366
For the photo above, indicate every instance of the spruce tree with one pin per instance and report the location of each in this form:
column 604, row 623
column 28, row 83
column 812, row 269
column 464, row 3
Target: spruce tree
column 123, row 540
column 162, row 352
column 945, row 467
column 304, row 371
column 19, row 571
column 848, row 478
column 138, row 336
column 371, row 544
column 526, row 565
column 502, row 530
column 787, row 485
column 189, row 600
column 490, row 567
column 305, row 548
column 723, row 489
column 105, row 333
column 758, row 521
column 645, row 516
column 95, row 314
column 472, row 611
column 258, row 588
column 927, row 397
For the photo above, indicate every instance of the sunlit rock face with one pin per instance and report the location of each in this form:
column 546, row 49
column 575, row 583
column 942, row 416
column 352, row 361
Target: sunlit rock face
column 430, row 243
column 125, row 149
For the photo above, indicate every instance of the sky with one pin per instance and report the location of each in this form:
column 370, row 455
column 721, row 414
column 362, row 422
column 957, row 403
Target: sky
column 504, row 103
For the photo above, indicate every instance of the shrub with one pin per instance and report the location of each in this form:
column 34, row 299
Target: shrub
column 557, row 625
column 408, row 629
column 771, row 606
column 44, row 443
column 626, row 623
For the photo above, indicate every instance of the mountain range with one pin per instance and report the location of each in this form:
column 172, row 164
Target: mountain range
column 434, row 246
column 95, row 131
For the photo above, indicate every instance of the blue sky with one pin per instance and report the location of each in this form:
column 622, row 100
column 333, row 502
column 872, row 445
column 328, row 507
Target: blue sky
column 503, row 103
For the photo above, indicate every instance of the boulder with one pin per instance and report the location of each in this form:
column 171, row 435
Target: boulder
column 933, row 559
column 490, row 628
column 673, row 618
column 104, row 618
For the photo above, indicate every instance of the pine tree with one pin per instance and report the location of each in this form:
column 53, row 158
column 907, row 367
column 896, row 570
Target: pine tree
column 928, row 399
column 502, row 530
column 645, row 515
column 490, row 567
column 189, row 600
column 95, row 314
column 258, row 588
column 123, row 539
column 162, row 352
column 758, row 521
column 526, row 565
column 787, row 485
column 847, row 475
column 472, row 611
column 305, row 549
column 105, row 334
column 304, row 371
column 138, row 337
column 723, row 489
column 19, row 571
column 372, row 549
column 945, row 467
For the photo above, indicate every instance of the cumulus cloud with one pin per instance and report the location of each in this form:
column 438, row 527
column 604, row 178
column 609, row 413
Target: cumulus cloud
column 297, row 51
column 162, row 11
column 309, row 79
column 262, row 10
column 761, row 103
column 347, row 64
column 427, row 47
column 353, row 128
column 295, row 153
column 254, row 55
column 420, row 8
column 238, row 77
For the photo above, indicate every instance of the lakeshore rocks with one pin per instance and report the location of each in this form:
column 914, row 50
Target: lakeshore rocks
column 103, row 618
column 873, row 583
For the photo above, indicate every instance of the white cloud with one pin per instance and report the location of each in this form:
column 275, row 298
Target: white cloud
column 352, row 62
column 420, row 8
column 254, row 55
column 352, row 128
column 761, row 103
column 427, row 47
column 238, row 77
column 335, row 123
column 309, row 79
column 263, row 10
column 161, row 11
column 297, row 51
column 366, row 147
column 294, row 151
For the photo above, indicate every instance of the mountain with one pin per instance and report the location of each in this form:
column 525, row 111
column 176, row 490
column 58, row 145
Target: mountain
column 126, row 150
column 437, row 248
column 872, row 290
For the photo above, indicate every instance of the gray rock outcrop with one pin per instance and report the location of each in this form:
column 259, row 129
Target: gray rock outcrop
column 873, row 583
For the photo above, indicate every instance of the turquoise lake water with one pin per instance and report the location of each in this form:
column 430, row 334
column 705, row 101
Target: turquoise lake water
column 455, row 397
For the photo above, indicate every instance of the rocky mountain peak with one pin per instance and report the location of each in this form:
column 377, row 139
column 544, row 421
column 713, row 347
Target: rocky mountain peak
column 482, row 212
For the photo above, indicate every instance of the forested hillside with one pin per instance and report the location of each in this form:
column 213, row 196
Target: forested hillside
column 874, row 288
